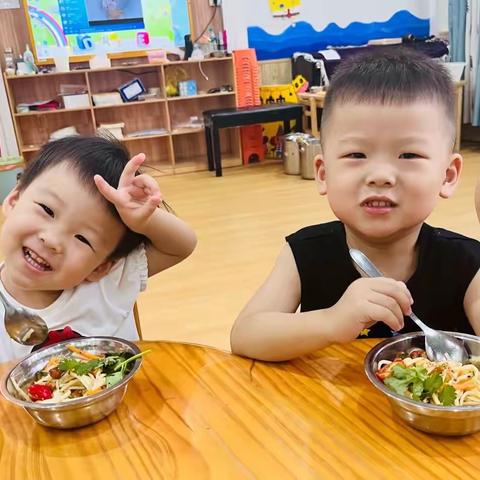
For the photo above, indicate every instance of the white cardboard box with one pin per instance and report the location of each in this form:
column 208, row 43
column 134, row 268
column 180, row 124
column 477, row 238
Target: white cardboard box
column 79, row 100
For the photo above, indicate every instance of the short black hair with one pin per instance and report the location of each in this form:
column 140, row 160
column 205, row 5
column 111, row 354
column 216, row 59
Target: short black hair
column 394, row 76
column 87, row 156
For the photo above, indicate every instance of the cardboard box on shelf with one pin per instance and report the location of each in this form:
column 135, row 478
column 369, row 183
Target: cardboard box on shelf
column 76, row 101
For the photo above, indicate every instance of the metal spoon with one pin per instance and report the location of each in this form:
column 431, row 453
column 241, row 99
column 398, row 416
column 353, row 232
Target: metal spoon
column 439, row 346
column 22, row 326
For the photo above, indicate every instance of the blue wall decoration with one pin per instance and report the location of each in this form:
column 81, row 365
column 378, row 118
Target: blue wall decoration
column 302, row 37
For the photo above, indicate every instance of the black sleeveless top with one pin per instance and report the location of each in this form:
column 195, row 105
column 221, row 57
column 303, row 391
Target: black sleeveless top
column 447, row 263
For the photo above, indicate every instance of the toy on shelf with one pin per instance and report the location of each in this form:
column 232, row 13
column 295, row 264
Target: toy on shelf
column 282, row 93
column 174, row 75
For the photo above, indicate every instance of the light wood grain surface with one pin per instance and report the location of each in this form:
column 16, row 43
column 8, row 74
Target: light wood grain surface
column 197, row 413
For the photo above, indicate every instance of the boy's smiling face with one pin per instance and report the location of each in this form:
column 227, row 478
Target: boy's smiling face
column 56, row 234
column 385, row 166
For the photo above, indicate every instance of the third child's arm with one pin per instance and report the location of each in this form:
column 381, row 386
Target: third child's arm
column 269, row 329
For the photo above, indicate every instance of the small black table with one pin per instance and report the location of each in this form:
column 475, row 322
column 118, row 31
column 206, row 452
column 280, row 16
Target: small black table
column 236, row 117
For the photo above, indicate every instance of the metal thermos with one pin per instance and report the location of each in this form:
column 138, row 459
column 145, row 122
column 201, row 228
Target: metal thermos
column 309, row 147
column 291, row 154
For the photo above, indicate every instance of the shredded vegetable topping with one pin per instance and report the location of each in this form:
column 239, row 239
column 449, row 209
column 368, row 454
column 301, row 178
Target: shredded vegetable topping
column 440, row 383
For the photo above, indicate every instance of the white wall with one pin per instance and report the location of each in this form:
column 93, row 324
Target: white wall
column 438, row 16
column 240, row 14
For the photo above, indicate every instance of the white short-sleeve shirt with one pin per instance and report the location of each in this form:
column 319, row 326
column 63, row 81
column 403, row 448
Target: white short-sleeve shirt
column 98, row 308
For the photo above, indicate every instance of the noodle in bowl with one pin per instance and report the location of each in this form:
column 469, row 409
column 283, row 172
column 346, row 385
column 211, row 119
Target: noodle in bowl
column 77, row 412
column 462, row 418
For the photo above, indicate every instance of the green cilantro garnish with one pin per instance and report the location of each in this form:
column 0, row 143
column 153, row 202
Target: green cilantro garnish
column 447, row 395
column 114, row 378
column 421, row 385
column 77, row 366
column 114, row 366
column 406, row 379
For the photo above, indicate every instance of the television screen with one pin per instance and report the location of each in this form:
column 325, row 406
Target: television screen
column 88, row 27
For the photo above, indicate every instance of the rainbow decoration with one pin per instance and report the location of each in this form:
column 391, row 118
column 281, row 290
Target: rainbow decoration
column 50, row 23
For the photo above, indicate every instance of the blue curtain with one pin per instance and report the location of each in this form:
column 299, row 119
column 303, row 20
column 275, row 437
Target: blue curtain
column 476, row 61
column 457, row 15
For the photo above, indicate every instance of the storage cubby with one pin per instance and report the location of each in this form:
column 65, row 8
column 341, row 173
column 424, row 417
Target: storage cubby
column 208, row 74
column 159, row 156
column 181, row 108
column 108, row 80
column 34, row 130
column 35, row 88
column 170, row 146
column 191, row 150
column 142, row 116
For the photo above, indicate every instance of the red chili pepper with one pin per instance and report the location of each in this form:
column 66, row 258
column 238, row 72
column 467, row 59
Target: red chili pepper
column 384, row 372
column 39, row 392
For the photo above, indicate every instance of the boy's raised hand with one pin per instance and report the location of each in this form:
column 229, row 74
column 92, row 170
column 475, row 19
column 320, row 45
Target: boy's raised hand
column 136, row 197
column 370, row 300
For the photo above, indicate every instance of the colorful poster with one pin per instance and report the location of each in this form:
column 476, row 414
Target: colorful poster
column 89, row 27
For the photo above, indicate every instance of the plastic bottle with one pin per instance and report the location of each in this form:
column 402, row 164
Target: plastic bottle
column 29, row 59
column 197, row 53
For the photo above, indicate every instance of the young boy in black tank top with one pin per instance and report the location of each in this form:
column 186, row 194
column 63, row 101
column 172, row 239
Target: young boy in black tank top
column 387, row 139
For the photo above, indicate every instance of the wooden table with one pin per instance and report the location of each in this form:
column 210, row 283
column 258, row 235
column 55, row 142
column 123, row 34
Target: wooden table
column 312, row 101
column 198, row 413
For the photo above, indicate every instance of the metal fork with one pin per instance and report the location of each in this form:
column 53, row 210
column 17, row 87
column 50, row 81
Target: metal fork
column 439, row 346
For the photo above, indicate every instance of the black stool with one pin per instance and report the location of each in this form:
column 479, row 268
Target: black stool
column 236, row 117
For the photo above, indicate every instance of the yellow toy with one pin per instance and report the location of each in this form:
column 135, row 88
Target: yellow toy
column 286, row 93
column 173, row 76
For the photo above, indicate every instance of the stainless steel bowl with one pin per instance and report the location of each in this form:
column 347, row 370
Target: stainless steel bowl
column 428, row 418
column 73, row 413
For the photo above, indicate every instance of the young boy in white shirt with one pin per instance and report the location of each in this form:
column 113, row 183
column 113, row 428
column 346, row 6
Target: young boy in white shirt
column 82, row 233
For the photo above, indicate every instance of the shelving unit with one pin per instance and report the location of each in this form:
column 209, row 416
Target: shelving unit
column 178, row 150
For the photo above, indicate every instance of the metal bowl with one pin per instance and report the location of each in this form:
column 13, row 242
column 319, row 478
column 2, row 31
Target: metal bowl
column 78, row 412
column 428, row 418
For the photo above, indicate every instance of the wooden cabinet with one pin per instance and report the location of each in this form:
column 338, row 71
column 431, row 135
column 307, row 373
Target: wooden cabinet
column 171, row 148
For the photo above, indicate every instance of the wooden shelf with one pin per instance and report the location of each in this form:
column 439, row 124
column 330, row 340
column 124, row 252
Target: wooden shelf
column 145, row 137
column 186, row 131
column 49, row 112
column 204, row 95
column 129, row 104
column 118, row 67
column 50, row 74
column 30, row 148
column 203, row 60
column 123, row 67
column 177, row 150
